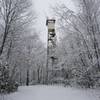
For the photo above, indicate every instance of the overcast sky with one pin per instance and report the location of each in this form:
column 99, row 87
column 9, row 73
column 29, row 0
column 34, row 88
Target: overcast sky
column 43, row 10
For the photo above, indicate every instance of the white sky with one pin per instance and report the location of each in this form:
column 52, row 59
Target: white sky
column 43, row 11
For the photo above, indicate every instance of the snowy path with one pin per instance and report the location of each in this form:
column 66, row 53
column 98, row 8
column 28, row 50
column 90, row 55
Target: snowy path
column 53, row 93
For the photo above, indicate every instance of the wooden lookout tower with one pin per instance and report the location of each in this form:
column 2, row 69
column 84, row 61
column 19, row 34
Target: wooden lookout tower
column 51, row 48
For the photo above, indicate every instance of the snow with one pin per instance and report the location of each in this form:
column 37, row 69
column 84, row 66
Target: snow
column 39, row 92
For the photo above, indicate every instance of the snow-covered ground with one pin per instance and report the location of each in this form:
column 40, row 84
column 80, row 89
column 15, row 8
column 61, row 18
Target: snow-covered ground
column 53, row 93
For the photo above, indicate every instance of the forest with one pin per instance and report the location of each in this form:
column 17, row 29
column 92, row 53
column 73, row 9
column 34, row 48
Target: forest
column 23, row 55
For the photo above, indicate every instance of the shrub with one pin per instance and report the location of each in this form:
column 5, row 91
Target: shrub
column 7, row 85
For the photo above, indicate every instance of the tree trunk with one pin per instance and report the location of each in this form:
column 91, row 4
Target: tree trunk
column 27, row 79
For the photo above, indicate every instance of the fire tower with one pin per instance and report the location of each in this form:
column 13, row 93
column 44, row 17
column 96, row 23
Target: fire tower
column 51, row 48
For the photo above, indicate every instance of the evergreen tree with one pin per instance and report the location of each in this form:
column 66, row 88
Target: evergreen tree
column 7, row 85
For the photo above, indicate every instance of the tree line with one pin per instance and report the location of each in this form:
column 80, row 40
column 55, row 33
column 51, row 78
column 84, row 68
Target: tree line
column 80, row 42
column 21, row 49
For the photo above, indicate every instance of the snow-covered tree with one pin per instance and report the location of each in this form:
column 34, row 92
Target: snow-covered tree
column 80, row 42
column 16, row 19
column 7, row 85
